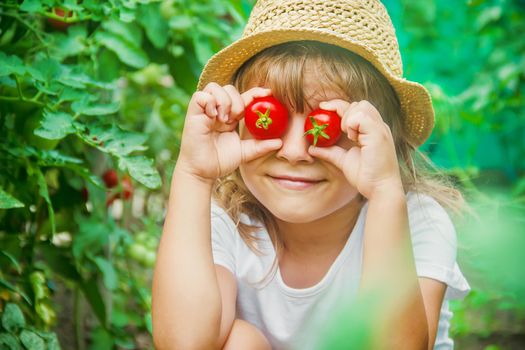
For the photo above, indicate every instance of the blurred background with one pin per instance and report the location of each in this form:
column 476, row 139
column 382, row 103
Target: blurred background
column 92, row 103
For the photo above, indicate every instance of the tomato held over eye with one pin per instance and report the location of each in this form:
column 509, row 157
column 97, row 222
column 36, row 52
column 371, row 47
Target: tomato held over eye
column 322, row 128
column 266, row 118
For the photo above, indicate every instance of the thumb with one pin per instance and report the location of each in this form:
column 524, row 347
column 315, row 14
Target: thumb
column 333, row 154
column 251, row 149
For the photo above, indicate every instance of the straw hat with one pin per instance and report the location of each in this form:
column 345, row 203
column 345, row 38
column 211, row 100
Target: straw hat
column 361, row 26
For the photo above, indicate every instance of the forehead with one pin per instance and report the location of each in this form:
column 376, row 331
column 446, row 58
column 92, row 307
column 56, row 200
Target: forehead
column 316, row 85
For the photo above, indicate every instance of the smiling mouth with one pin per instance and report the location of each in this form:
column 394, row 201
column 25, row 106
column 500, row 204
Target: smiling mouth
column 294, row 183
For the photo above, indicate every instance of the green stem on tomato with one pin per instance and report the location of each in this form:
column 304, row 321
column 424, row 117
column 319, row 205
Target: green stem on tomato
column 317, row 130
column 264, row 120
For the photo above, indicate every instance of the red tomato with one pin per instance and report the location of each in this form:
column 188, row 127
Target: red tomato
column 58, row 24
column 127, row 187
column 322, row 128
column 127, row 191
column 266, row 118
column 110, row 178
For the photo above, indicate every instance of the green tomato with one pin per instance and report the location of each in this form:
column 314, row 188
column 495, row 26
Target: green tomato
column 147, row 239
column 142, row 237
column 45, row 312
column 31, row 124
column 148, row 259
column 167, row 9
column 137, row 251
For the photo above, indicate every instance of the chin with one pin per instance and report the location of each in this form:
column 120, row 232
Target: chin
column 296, row 211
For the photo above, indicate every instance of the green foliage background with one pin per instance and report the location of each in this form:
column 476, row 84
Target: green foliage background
column 110, row 92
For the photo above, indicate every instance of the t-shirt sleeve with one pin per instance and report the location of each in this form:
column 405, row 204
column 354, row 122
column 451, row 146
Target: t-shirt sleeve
column 435, row 245
column 223, row 238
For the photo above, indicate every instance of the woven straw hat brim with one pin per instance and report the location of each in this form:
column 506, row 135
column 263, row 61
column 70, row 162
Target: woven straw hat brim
column 415, row 100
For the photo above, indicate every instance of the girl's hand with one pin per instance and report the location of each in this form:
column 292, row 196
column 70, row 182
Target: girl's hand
column 370, row 165
column 211, row 146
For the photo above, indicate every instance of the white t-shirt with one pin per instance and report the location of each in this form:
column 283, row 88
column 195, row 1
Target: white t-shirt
column 282, row 313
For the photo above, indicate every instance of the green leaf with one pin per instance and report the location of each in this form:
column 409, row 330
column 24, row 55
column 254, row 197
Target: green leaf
column 142, row 170
column 31, row 6
column 94, row 298
column 13, row 318
column 11, row 65
column 14, row 289
column 70, row 94
column 46, row 69
column 44, row 192
column 149, row 323
column 13, row 260
column 59, row 260
column 108, row 272
column 7, row 201
column 128, row 53
column 156, row 27
column 181, row 22
column 72, row 44
column 102, row 340
column 50, row 338
column 129, row 32
column 114, row 140
column 8, row 342
column 32, row 341
column 203, row 49
column 55, row 125
column 92, row 236
column 55, row 158
column 84, row 107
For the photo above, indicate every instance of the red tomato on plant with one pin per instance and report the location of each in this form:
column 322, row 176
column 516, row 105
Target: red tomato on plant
column 110, row 178
column 322, row 128
column 127, row 187
column 58, row 24
column 127, row 191
column 266, row 118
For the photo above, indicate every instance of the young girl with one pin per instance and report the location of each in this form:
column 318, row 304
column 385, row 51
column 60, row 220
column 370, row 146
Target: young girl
column 292, row 229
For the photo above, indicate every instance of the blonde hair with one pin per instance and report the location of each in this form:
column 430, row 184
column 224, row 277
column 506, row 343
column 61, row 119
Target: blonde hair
column 282, row 69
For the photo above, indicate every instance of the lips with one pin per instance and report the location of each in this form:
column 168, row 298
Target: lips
column 294, row 182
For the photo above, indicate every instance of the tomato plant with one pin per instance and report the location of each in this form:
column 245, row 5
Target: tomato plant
column 322, row 128
column 266, row 118
column 87, row 86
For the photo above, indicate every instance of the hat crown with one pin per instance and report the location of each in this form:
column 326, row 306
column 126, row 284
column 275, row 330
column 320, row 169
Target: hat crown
column 364, row 22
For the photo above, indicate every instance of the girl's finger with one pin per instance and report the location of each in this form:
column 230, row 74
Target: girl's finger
column 252, row 148
column 203, row 103
column 237, row 104
column 223, row 100
column 256, row 92
column 359, row 123
column 343, row 109
column 334, row 154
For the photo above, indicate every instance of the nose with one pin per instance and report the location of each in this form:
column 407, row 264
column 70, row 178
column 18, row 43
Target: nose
column 295, row 146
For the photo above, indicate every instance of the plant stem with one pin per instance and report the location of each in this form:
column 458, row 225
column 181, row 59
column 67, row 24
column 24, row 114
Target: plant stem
column 24, row 22
column 77, row 315
column 14, row 99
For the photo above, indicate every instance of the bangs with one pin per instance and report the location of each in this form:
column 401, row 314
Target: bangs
column 283, row 69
